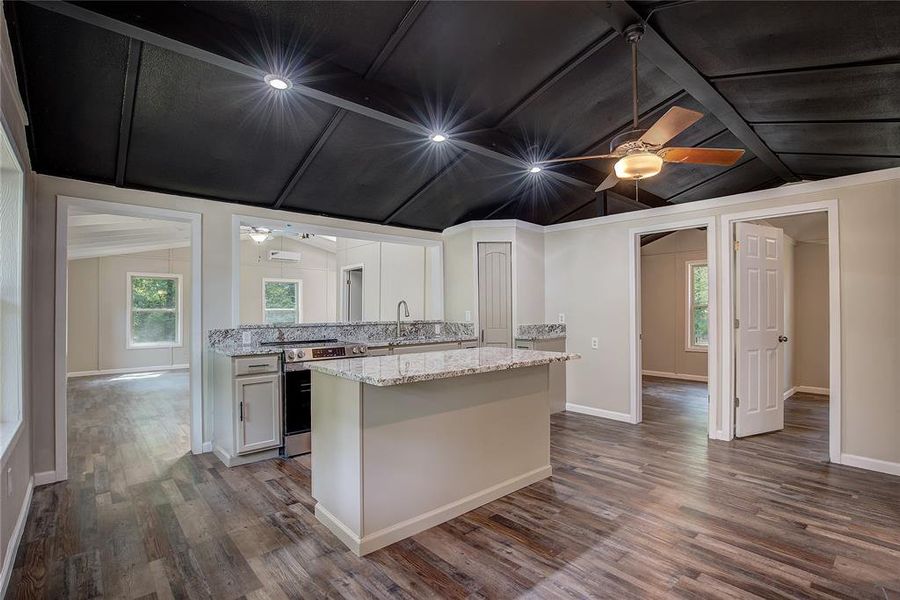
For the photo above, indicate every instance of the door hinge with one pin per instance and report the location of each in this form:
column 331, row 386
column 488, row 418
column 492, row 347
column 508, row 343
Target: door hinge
column 737, row 401
column 737, row 323
column 737, row 245
column 242, row 411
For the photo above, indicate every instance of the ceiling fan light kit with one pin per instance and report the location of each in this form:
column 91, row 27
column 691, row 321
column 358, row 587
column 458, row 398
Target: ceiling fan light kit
column 641, row 152
column 639, row 165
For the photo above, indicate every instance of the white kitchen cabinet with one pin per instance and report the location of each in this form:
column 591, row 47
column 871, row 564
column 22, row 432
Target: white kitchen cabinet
column 246, row 397
column 258, row 413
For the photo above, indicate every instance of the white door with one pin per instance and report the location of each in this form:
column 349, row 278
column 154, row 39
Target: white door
column 495, row 293
column 258, row 399
column 760, row 329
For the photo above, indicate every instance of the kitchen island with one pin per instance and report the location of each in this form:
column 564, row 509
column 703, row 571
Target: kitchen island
column 402, row 443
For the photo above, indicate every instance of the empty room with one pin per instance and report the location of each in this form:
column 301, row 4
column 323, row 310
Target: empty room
column 439, row 299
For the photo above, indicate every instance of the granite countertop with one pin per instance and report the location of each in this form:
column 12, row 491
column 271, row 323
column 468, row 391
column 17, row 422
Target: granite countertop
column 541, row 331
column 427, row 366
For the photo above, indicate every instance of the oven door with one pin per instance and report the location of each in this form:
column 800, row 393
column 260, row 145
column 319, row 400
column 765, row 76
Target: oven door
column 297, row 416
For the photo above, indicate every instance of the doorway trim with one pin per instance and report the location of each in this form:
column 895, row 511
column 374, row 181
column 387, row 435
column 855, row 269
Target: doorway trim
column 344, row 270
column 727, row 228
column 63, row 204
column 634, row 316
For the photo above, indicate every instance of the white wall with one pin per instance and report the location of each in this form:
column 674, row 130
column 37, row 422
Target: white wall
column 664, row 308
column 391, row 272
column 460, row 269
column 98, row 309
column 587, row 277
column 811, row 323
column 316, row 269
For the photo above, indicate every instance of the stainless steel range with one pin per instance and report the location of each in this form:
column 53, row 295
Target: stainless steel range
column 297, row 387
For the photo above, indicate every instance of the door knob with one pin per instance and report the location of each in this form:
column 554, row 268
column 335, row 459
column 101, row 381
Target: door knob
column 782, row 338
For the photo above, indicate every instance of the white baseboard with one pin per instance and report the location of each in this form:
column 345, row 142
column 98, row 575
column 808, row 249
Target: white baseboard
column 682, row 376
column 127, row 370
column 206, row 447
column 10, row 557
column 599, row 412
column 45, row 478
column 395, row 533
column 808, row 389
column 872, row 464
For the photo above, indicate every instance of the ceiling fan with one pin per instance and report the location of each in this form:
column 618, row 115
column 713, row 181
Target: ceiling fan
column 642, row 152
column 262, row 234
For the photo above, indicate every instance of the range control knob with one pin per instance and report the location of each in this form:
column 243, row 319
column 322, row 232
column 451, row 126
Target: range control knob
column 300, row 354
column 291, row 354
column 355, row 349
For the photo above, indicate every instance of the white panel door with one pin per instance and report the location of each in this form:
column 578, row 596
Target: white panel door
column 760, row 333
column 495, row 293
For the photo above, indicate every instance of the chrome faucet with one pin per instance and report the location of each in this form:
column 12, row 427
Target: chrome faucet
column 405, row 314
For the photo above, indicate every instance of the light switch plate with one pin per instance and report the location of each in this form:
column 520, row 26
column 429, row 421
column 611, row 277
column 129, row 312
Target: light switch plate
column 562, row 317
column 245, row 337
column 437, row 329
column 468, row 316
column 595, row 343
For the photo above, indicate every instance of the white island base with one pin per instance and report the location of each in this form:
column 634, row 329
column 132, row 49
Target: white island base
column 389, row 462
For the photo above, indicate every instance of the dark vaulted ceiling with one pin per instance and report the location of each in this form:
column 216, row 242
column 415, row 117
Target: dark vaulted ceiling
column 170, row 96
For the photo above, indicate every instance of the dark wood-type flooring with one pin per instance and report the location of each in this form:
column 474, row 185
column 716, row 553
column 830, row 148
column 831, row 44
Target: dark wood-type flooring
column 654, row 510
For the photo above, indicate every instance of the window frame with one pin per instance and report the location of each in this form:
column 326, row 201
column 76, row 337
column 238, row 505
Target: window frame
column 12, row 409
column 298, row 310
column 130, row 344
column 689, row 344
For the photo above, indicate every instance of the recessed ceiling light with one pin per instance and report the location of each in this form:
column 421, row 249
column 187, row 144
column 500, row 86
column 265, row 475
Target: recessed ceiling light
column 279, row 83
column 535, row 169
column 438, row 137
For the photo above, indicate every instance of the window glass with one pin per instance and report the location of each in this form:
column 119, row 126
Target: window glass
column 281, row 302
column 155, row 310
column 699, row 305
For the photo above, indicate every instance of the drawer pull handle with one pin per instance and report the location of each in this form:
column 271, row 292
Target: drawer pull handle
column 258, row 366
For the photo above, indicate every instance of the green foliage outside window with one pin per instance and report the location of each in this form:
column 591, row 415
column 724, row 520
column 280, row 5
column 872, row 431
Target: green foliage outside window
column 699, row 305
column 154, row 310
column 281, row 302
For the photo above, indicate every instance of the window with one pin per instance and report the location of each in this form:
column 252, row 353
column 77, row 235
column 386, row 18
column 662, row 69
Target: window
column 698, row 306
column 11, row 202
column 281, row 301
column 154, row 310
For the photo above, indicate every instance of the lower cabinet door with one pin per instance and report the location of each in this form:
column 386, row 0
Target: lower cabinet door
column 258, row 400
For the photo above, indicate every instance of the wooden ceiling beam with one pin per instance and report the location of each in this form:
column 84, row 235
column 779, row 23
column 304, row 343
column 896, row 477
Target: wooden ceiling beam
column 620, row 14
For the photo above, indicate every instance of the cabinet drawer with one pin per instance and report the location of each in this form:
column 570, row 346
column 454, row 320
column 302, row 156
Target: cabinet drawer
column 254, row 365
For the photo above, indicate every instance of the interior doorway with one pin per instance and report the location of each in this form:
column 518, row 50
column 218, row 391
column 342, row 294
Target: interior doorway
column 128, row 374
column 781, row 297
column 797, row 379
column 673, row 319
column 352, row 293
column 674, row 332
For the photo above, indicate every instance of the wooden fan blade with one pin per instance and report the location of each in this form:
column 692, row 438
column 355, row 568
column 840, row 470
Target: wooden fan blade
column 723, row 157
column 609, row 182
column 672, row 123
column 576, row 158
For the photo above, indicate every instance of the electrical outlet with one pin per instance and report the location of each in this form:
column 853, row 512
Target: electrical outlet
column 468, row 316
column 595, row 343
column 437, row 329
column 245, row 337
column 562, row 317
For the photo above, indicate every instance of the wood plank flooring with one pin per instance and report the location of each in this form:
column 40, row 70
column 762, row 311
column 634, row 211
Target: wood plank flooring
column 648, row 511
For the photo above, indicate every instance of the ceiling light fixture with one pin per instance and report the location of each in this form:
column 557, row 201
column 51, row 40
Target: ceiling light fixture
column 535, row 169
column 438, row 137
column 638, row 165
column 259, row 235
column 277, row 82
